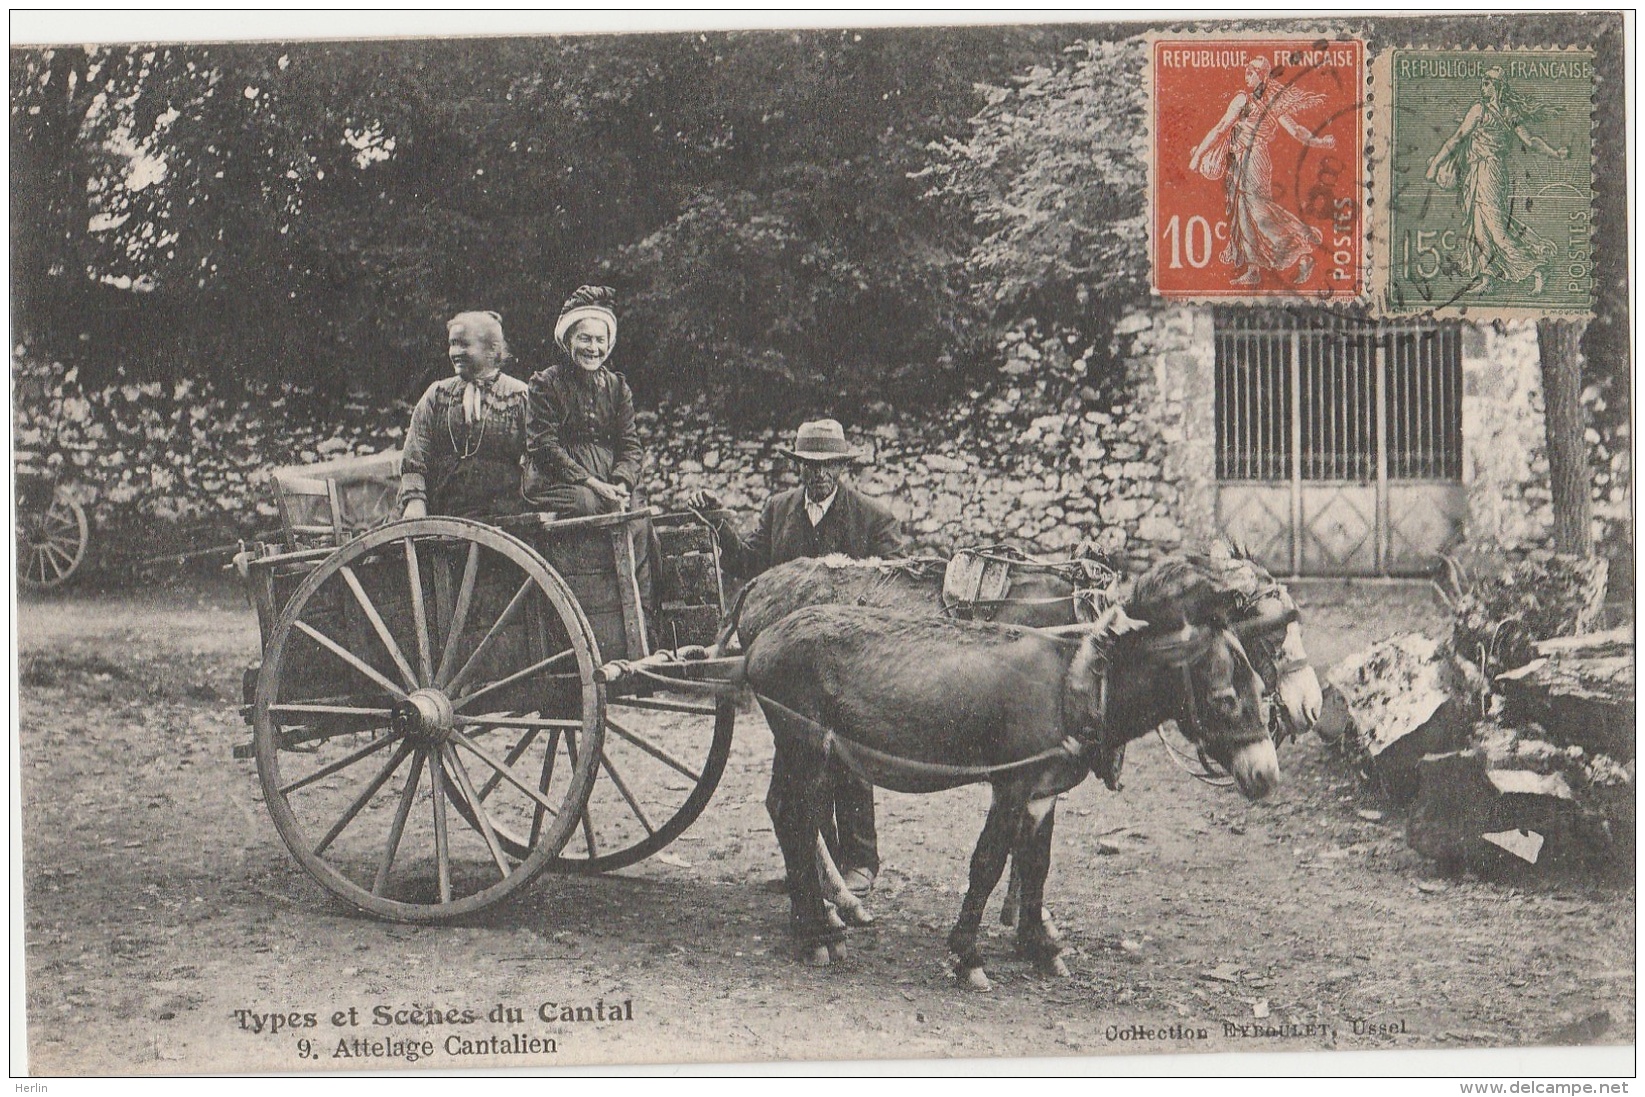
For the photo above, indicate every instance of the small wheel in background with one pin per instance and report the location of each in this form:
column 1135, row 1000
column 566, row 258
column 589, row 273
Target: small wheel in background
column 51, row 544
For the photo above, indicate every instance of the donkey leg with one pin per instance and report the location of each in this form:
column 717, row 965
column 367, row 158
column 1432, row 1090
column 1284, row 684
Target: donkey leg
column 1013, row 884
column 1013, row 895
column 987, row 862
column 1036, row 936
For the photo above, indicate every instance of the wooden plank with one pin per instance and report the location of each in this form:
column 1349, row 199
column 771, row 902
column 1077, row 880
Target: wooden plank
column 628, row 584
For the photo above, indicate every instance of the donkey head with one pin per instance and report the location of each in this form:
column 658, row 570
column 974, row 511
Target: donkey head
column 1195, row 657
column 1269, row 629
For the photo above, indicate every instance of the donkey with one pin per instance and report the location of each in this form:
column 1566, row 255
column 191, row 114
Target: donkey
column 919, row 704
column 1041, row 595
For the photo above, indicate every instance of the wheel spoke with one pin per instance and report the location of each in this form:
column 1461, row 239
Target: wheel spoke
column 459, row 613
column 43, row 553
column 342, row 763
column 55, row 547
column 455, row 765
column 535, row 668
column 350, row 658
column 652, row 749
column 379, row 625
column 330, row 710
column 654, row 705
column 509, row 759
column 442, row 845
column 398, row 827
column 419, row 612
column 543, row 782
column 461, row 677
column 366, row 794
column 503, row 770
column 520, row 722
column 588, row 823
column 633, row 804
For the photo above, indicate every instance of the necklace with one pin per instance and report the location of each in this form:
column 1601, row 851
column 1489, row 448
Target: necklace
column 472, row 448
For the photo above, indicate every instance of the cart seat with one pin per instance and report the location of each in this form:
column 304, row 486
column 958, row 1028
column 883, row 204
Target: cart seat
column 328, row 502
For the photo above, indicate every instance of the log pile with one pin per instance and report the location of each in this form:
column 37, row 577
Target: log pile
column 1532, row 766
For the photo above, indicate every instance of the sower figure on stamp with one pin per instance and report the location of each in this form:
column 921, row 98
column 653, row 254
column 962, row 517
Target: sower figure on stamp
column 825, row 515
column 1500, row 247
column 467, row 433
column 583, row 449
column 1262, row 234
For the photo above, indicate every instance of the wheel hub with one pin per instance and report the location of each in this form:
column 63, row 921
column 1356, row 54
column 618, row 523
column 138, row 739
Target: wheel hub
column 425, row 715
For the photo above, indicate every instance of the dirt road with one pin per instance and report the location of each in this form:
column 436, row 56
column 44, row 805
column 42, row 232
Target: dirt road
column 169, row 931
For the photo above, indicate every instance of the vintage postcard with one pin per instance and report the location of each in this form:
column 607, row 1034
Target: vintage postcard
column 1488, row 181
column 957, row 545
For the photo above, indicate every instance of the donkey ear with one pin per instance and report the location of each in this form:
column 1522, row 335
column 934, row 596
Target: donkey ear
column 1119, row 622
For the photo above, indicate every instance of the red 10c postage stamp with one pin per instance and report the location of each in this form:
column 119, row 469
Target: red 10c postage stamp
column 1258, row 180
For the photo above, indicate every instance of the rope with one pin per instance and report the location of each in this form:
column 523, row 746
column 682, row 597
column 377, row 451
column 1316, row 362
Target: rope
column 1068, row 748
column 1204, row 773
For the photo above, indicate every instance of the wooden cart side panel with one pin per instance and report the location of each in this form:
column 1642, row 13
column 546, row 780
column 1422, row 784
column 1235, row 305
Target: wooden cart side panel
column 310, row 672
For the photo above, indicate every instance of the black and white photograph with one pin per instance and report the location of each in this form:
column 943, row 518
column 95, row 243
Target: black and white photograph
column 841, row 543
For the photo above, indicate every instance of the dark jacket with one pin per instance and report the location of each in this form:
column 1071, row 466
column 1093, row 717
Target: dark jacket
column 463, row 468
column 855, row 525
column 581, row 424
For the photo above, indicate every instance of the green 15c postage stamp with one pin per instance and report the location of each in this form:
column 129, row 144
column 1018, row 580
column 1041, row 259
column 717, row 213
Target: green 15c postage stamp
column 1487, row 181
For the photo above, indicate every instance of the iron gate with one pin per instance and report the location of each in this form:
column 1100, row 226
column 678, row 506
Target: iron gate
column 1339, row 442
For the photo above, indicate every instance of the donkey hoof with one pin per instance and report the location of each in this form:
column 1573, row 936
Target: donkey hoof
column 836, row 951
column 835, row 919
column 976, row 979
column 819, row 956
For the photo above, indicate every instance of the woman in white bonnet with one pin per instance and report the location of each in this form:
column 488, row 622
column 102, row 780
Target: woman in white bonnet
column 583, row 450
column 585, row 453
column 468, row 432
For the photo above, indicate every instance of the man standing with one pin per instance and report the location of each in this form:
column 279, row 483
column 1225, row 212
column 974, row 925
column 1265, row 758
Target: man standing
column 823, row 516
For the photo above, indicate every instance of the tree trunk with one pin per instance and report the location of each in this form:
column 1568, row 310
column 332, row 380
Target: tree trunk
column 1559, row 344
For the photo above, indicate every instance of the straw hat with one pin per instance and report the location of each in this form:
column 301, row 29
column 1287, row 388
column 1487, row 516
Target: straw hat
column 821, row 440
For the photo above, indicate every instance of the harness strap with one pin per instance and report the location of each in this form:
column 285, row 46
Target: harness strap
column 827, row 737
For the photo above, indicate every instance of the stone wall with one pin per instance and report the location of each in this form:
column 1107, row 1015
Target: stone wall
column 1074, row 441
column 1112, row 443
column 1504, row 457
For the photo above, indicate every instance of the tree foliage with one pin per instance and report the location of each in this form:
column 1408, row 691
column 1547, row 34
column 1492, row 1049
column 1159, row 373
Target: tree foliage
column 313, row 212
column 1055, row 169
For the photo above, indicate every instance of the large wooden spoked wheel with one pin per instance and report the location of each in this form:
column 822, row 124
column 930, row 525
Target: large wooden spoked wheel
column 664, row 755
column 662, row 760
column 51, row 543
column 425, row 667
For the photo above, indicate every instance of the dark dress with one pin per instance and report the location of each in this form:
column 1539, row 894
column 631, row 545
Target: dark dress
column 462, row 468
column 581, row 424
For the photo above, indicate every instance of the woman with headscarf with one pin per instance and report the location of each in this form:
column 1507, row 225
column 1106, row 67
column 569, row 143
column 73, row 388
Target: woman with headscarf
column 468, row 432
column 584, row 451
